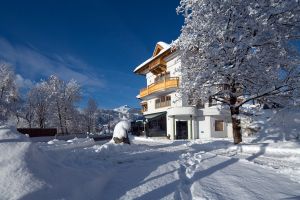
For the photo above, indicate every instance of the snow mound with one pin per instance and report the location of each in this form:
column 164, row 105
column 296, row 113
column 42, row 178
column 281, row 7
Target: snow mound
column 121, row 129
column 10, row 132
column 16, row 180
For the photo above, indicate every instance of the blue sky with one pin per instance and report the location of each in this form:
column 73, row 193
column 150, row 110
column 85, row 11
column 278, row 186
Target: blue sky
column 98, row 43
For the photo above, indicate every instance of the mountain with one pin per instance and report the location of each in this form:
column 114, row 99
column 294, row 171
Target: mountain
column 122, row 109
column 128, row 112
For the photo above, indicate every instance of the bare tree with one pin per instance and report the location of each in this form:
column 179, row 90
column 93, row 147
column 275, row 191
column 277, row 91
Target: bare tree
column 90, row 113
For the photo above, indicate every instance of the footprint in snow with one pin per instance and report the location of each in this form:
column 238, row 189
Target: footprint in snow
column 191, row 163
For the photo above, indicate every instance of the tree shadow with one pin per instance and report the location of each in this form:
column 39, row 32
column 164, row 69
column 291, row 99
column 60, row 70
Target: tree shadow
column 11, row 140
column 262, row 150
column 213, row 169
column 140, row 171
column 183, row 184
column 211, row 146
column 291, row 197
column 162, row 192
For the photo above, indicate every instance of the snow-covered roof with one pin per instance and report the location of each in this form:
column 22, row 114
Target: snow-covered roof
column 165, row 47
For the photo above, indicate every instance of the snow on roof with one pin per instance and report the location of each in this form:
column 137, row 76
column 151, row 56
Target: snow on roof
column 165, row 47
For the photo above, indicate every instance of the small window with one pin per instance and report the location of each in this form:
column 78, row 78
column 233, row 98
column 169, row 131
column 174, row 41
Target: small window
column 168, row 98
column 144, row 107
column 157, row 103
column 163, row 101
column 219, row 125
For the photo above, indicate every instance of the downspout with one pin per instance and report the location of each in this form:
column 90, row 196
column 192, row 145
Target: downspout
column 174, row 127
column 191, row 126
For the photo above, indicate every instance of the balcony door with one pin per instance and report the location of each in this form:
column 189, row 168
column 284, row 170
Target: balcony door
column 162, row 77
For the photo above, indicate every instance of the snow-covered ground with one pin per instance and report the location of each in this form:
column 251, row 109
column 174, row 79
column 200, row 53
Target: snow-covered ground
column 147, row 169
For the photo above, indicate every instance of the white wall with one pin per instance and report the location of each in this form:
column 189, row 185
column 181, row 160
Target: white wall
column 229, row 130
column 170, row 128
column 204, row 127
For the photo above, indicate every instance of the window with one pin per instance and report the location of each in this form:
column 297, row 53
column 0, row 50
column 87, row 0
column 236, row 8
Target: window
column 219, row 125
column 211, row 102
column 144, row 107
column 163, row 101
column 162, row 77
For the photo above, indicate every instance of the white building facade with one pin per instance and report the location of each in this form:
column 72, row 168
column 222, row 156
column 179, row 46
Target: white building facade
column 168, row 114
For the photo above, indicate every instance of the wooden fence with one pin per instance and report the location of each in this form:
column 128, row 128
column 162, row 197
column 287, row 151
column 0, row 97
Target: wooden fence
column 38, row 132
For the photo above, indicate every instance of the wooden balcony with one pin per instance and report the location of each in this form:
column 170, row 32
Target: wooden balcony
column 157, row 66
column 172, row 82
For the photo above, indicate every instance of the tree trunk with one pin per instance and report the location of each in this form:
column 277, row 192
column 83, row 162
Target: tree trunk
column 41, row 122
column 2, row 91
column 235, row 110
column 236, row 125
column 60, row 118
column 65, row 120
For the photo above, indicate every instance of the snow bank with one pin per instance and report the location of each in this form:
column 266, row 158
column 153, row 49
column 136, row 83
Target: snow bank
column 139, row 138
column 69, row 144
column 10, row 132
column 16, row 180
column 274, row 125
column 283, row 148
column 111, row 149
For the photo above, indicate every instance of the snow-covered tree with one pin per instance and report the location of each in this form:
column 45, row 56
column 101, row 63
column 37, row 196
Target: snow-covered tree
column 63, row 97
column 38, row 100
column 28, row 109
column 8, row 90
column 90, row 113
column 235, row 51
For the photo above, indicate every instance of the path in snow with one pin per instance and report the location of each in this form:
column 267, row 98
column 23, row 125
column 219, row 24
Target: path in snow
column 144, row 170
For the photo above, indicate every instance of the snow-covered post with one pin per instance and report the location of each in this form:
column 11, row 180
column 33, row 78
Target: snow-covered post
column 121, row 132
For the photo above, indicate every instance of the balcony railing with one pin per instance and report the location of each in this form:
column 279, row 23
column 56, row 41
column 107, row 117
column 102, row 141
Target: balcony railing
column 172, row 82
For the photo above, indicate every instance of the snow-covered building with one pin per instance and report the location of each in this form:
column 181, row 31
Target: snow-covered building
column 168, row 114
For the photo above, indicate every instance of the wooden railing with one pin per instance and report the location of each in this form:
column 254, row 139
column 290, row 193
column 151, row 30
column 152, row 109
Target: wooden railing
column 172, row 82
